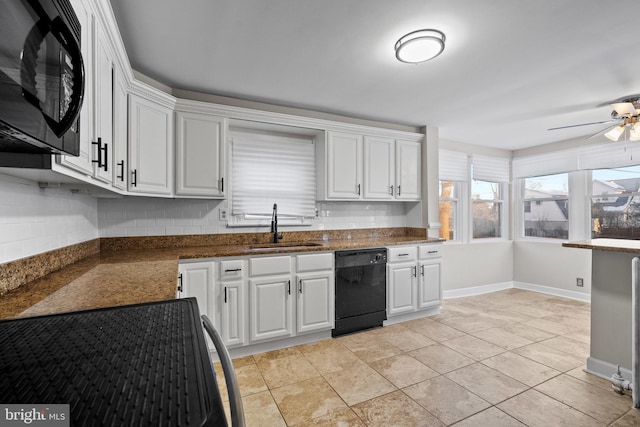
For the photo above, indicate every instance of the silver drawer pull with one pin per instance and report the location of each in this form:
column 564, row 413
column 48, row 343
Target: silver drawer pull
column 432, row 252
column 403, row 254
column 233, row 270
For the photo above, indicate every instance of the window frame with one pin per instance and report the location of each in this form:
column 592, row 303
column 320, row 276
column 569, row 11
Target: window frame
column 504, row 212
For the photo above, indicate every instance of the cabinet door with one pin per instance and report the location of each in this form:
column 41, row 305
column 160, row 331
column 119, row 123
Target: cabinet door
column 315, row 301
column 120, row 144
column 401, row 285
column 150, row 147
column 379, row 168
column 270, row 307
column 232, row 325
column 102, row 144
column 200, row 142
column 82, row 162
column 197, row 280
column 429, row 287
column 344, row 166
column 408, row 173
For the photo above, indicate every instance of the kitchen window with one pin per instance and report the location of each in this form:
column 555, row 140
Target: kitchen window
column 268, row 169
column 546, row 206
column 615, row 203
column 473, row 196
column 449, row 204
column 486, row 209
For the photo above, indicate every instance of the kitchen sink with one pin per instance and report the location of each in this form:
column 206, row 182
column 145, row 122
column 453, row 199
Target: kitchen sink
column 288, row 245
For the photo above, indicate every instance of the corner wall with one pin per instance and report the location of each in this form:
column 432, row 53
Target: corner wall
column 35, row 220
column 551, row 265
column 476, row 264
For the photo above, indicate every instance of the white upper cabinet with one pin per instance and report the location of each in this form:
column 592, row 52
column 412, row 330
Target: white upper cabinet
column 357, row 167
column 408, row 170
column 200, row 148
column 150, row 147
column 102, row 143
column 344, row 166
column 379, row 168
column 120, row 144
column 82, row 163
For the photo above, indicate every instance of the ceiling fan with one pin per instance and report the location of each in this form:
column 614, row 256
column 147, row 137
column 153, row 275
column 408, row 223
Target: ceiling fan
column 626, row 114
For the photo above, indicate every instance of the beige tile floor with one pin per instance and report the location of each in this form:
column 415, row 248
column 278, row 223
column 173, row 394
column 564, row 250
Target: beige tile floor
column 509, row 358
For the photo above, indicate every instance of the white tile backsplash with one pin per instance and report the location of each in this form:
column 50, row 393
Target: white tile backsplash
column 35, row 220
column 147, row 216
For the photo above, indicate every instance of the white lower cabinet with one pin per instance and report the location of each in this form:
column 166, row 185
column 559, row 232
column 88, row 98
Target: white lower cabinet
column 401, row 285
column 196, row 279
column 315, row 292
column 233, row 302
column 413, row 278
column 271, row 308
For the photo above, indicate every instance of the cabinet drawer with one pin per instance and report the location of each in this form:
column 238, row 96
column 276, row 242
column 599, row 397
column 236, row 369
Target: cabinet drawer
column 402, row 253
column 429, row 251
column 313, row 262
column 269, row 265
column 232, row 269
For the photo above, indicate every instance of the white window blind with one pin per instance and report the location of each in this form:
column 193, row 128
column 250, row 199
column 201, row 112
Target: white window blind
column 452, row 165
column 545, row 164
column 492, row 169
column 610, row 155
column 268, row 169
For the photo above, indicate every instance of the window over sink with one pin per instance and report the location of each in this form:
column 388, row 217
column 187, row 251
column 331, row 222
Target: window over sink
column 268, row 168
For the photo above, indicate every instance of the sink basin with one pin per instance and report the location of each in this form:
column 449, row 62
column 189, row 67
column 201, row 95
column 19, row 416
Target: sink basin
column 288, row 245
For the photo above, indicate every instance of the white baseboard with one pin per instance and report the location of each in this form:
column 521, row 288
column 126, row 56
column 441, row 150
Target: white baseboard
column 580, row 296
column 476, row 290
column 494, row 287
column 604, row 369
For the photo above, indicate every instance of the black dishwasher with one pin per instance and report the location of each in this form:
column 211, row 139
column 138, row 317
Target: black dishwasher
column 361, row 290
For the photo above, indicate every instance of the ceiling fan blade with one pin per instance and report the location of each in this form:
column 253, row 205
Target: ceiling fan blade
column 600, row 132
column 584, row 124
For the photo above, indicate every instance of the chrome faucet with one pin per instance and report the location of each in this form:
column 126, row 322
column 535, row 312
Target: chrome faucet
column 274, row 224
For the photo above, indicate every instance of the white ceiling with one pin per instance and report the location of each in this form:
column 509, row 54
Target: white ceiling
column 510, row 70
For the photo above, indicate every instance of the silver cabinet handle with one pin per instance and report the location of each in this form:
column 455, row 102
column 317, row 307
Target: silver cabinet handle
column 398, row 190
column 403, row 254
column 422, row 270
column 415, row 271
column 300, row 288
column 392, row 190
column 231, row 270
column 289, row 286
column 358, row 189
column 225, row 294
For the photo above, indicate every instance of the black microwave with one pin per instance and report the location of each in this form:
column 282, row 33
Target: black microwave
column 41, row 77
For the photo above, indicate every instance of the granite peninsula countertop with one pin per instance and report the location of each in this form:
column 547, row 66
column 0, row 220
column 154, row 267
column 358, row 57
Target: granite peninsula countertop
column 133, row 275
column 610, row 245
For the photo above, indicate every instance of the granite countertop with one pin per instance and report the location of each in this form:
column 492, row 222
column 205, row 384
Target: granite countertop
column 610, row 245
column 134, row 275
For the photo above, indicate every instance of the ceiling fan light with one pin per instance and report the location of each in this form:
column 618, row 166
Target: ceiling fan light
column 420, row 46
column 624, row 108
column 614, row 134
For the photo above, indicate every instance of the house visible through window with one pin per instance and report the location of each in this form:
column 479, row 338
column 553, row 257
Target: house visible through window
column 270, row 169
column 548, row 216
column 615, row 203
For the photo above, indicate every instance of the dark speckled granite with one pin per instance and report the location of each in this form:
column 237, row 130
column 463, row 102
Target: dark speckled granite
column 139, row 269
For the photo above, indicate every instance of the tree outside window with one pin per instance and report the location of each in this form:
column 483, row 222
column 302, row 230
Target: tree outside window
column 486, row 212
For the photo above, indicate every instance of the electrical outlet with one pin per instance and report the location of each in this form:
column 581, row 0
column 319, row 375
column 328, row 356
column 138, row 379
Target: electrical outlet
column 579, row 282
column 222, row 214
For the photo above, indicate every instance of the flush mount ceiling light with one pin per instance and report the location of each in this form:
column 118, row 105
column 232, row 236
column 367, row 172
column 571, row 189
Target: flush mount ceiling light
column 420, row 46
